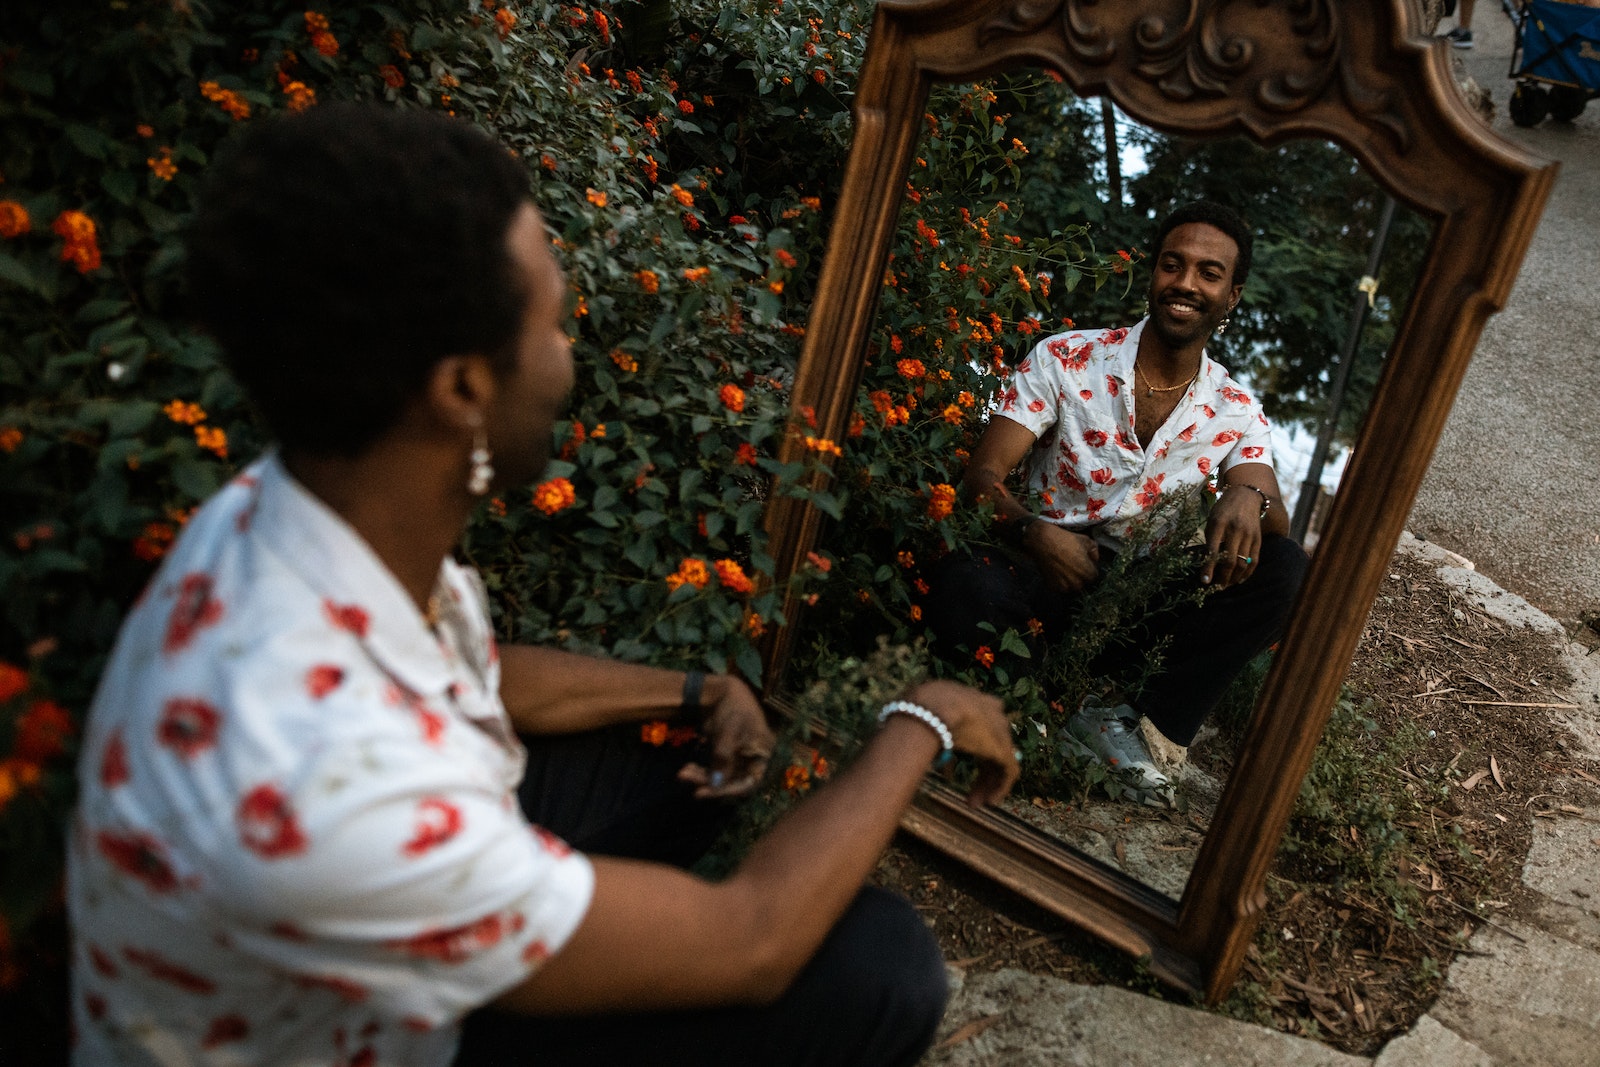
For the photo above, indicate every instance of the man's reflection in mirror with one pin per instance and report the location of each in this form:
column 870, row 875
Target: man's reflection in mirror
column 1108, row 426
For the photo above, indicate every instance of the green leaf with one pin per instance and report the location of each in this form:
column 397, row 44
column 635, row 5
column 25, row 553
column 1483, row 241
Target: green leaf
column 128, row 419
column 1011, row 642
column 97, row 311
column 122, row 185
column 196, row 478
column 641, row 552
column 47, row 560
column 16, row 272
column 88, row 140
column 31, row 79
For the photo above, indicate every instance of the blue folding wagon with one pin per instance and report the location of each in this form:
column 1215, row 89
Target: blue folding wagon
column 1556, row 61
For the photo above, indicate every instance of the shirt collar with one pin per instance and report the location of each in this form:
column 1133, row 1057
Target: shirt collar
column 338, row 565
column 1207, row 383
column 1121, row 364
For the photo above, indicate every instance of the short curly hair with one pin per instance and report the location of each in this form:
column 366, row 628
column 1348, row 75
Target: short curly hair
column 338, row 254
column 1223, row 218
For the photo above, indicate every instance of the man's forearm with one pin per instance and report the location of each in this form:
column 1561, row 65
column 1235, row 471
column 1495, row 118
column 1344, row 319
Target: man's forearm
column 549, row 691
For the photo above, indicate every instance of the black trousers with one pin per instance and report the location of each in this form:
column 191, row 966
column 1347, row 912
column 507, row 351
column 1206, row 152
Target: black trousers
column 1209, row 642
column 873, row 994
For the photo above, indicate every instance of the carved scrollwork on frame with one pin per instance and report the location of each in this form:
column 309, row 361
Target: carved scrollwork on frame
column 1287, row 56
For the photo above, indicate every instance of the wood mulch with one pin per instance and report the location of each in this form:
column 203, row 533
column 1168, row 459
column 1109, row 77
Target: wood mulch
column 1335, row 960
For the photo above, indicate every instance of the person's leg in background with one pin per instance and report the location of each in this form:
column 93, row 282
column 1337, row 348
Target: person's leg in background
column 1212, row 642
column 1461, row 36
column 1008, row 593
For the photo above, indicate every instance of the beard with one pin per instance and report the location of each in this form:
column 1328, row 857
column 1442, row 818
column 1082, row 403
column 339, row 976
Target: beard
column 1180, row 334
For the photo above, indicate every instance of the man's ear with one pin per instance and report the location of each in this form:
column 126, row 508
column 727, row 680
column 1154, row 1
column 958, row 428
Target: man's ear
column 460, row 391
column 1233, row 299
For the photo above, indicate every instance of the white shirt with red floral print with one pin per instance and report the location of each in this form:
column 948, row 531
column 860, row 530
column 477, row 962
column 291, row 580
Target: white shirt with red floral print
column 1076, row 393
column 298, row 840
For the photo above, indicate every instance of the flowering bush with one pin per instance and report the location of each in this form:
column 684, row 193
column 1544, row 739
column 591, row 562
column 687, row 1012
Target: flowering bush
column 687, row 165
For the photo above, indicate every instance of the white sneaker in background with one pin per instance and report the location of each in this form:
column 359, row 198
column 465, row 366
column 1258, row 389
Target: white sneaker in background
column 1111, row 735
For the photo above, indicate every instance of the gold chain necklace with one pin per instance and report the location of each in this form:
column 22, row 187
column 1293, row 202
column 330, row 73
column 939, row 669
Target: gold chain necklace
column 1149, row 388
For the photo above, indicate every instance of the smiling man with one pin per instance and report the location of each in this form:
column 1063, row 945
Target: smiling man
column 1112, row 423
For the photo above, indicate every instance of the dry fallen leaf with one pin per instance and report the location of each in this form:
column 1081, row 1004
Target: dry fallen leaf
column 971, row 1030
column 1472, row 783
column 1494, row 769
column 1122, row 853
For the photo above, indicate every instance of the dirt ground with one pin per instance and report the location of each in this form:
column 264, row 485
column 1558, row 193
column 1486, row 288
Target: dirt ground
column 1461, row 703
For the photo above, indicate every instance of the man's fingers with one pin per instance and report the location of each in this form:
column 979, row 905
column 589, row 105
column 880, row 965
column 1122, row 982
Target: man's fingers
column 719, row 785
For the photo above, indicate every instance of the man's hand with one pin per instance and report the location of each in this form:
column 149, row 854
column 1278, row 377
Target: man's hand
column 1069, row 560
column 1233, row 538
column 979, row 726
column 741, row 743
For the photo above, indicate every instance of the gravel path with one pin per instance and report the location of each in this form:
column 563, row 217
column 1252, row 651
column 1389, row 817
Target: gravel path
column 1515, row 483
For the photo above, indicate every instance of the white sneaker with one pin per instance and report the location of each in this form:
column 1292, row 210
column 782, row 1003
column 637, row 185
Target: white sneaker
column 1112, row 736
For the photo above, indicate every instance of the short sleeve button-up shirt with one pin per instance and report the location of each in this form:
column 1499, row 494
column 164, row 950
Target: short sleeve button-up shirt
column 298, row 840
column 1076, row 393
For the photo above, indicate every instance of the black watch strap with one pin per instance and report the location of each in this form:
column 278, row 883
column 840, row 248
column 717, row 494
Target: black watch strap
column 694, row 684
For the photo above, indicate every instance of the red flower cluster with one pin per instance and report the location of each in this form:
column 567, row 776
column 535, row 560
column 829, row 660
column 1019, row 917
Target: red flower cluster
column 321, row 38
column 732, row 576
column 41, row 735
column 79, row 247
column 14, row 221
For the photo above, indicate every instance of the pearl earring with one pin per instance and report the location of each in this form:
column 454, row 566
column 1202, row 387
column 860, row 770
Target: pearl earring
column 482, row 472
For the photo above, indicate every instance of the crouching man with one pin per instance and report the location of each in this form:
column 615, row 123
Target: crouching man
column 1109, row 424
column 299, row 839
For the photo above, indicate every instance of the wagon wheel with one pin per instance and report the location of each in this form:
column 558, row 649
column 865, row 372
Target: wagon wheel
column 1529, row 104
column 1567, row 102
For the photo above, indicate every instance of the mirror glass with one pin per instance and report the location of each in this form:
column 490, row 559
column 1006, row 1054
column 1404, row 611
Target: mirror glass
column 1028, row 213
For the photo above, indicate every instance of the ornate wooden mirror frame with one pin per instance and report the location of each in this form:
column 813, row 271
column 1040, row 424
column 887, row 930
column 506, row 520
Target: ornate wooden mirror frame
column 1351, row 71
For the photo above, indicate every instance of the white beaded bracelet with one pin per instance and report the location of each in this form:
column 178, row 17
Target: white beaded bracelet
column 923, row 715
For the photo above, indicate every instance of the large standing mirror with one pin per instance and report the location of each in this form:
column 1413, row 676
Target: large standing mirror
column 1352, row 86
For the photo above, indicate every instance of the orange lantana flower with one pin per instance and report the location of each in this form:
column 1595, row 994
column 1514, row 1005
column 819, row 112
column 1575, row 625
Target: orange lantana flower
column 212, row 439
column 732, row 397
column 732, row 576
column 301, row 96
column 79, row 246
column 182, row 412
column 554, row 495
column 690, row 572
column 14, row 221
